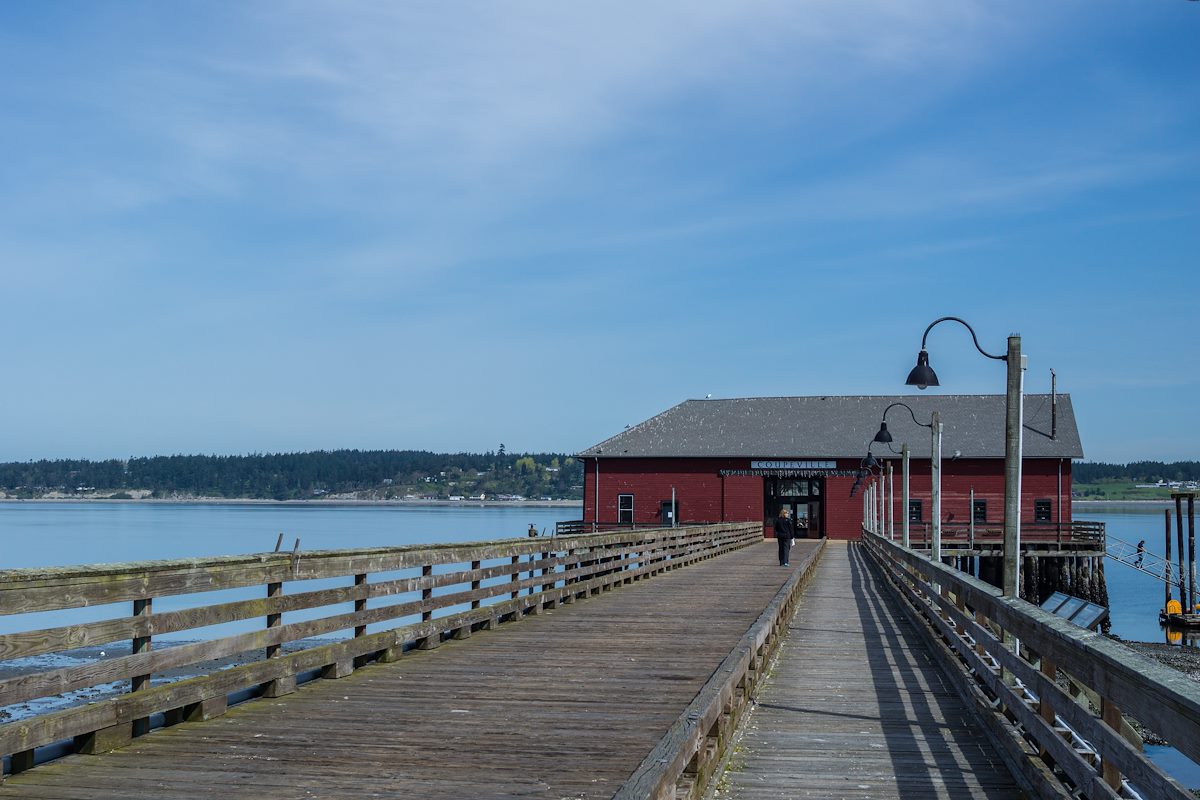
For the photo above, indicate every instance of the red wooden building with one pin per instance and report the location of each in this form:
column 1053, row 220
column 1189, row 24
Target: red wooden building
column 743, row 459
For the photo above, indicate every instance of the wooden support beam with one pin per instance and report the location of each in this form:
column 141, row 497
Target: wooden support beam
column 141, row 644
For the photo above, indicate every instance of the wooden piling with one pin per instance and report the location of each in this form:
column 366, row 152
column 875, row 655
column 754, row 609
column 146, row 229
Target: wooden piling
column 1167, row 558
column 1102, row 599
column 1183, row 596
column 1192, row 551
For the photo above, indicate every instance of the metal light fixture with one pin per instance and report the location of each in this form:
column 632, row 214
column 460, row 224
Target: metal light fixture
column 922, row 375
column 883, row 437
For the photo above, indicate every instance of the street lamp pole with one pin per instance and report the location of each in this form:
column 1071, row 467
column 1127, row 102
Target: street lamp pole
column 935, row 459
column 1014, row 426
column 891, row 506
column 882, row 502
column 904, row 500
column 922, row 375
column 936, row 478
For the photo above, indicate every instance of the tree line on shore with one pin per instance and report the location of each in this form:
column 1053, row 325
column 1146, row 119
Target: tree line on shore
column 1135, row 471
column 382, row 474
column 368, row 474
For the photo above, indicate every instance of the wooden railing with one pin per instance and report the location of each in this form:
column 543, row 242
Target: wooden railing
column 683, row 763
column 1077, row 534
column 433, row 593
column 574, row 527
column 1012, row 658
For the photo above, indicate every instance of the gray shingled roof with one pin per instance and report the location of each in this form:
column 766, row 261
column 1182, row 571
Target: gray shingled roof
column 840, row 427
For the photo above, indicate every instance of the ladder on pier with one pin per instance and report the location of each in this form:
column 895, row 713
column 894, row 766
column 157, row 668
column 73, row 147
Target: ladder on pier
column 1146, row 562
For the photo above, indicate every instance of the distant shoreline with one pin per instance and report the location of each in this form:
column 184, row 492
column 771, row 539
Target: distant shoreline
column 252, row 501
column 1163, row 502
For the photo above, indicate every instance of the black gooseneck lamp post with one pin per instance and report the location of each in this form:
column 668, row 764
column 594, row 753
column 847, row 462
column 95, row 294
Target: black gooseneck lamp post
column 883, row 436
column 922, row 375
column 867, row 466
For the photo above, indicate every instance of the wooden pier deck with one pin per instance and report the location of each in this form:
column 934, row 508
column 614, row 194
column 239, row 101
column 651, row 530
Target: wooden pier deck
column 565, row 704
column 854, row 708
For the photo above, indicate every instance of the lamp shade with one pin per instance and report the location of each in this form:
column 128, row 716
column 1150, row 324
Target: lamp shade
column 922, row 374
column 883, row 436
column 870, row 461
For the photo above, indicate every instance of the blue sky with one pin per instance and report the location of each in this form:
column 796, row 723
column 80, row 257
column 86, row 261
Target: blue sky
column 269, row 226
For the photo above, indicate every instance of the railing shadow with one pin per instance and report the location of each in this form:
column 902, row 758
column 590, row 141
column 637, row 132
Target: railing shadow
column 920, row 714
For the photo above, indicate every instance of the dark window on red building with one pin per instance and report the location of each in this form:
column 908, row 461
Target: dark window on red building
column 914, row 510
column 1041, row 510
column 979, row 511
column 625, row 508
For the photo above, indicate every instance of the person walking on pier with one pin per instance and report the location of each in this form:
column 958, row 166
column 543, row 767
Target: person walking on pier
column 784, row 533
column 1141, row 553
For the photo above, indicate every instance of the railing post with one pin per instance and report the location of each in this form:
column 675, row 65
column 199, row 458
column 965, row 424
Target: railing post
column 971, row 521
column 431, row 639
column 277, row 687
column 360, row 604
column 516, row 579
column 1050, row 670
column 1112, row 718
column 119, row 735
column 475, row 584
column 426, row 593
column 141, row 644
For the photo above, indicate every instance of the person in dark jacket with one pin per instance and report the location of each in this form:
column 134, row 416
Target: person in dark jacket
column 784, row 533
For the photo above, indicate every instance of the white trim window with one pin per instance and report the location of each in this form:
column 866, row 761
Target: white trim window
column 625, row 509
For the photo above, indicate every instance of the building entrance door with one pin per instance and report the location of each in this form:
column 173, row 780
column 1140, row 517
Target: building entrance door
column 802, row 498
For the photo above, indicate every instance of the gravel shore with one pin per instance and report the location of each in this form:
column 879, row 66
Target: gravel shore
column 1184, row 659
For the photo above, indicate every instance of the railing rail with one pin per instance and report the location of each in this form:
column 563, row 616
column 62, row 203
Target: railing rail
column 959, row 536
column 574, row 527
column 1080, row 746
column 443, row 591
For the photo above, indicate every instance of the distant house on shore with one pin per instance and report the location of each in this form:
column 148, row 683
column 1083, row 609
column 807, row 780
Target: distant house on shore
column 744, row 459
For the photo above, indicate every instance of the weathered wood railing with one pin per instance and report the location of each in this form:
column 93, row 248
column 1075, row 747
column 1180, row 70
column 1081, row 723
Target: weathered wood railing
column 684, row 761
column 572, row 527
column 449, row 591
column 1058, row 743
column 959, row 537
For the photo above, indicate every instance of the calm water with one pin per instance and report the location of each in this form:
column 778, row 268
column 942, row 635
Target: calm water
column 1134, row 597
column 44, row 534
column 55, row 534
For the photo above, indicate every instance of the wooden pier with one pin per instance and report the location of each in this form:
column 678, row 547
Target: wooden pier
column 604, row 665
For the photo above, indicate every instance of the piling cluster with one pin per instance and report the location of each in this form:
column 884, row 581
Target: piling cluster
column 1080, row 576
column 1181, row 579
